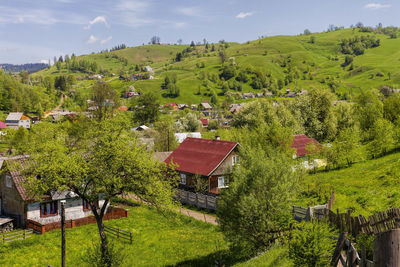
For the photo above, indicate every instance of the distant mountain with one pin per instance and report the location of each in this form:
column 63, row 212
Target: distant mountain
column 31, row 67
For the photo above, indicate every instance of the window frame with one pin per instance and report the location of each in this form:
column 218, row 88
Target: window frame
column 225, row 182
column 8, row 181
column 86, row 206
column 183, row 178
column 44, row 215
column 235, row 160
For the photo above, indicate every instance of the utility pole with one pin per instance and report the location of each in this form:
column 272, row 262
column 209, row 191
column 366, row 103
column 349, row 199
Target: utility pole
column 62, row 233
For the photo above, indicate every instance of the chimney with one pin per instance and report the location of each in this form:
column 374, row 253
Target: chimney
column 217, row 137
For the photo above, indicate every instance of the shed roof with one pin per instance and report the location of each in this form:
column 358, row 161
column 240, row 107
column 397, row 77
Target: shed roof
column 206, row 105
column 200, row 156
column 14, row 116
column 14, row 166
column 300, row 142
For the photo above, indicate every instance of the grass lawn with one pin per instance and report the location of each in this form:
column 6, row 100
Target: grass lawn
column 276, row 256
column 366, row 187
column 158, row 241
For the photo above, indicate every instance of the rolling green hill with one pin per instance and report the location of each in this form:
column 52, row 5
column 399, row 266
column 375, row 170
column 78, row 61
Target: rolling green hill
column 295, row 62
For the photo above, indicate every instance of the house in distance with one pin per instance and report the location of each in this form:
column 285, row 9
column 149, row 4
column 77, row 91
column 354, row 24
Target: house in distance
column 18, row 119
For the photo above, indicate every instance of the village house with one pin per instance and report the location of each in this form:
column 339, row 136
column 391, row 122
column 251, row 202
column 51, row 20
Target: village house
column 18, row 119
column 300, row 144
column 16, row 202
column 140, row 128
column 173, row 106
column 210, row 161
column 148, row 69
column 206, row 108
column 131, row 94
column 233, row 108
column 204, row 122
column 247, row 95
column 182, row 106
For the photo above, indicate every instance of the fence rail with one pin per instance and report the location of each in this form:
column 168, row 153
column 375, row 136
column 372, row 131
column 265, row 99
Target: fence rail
column 119, row 233
column 198, row 200
column 13, row 236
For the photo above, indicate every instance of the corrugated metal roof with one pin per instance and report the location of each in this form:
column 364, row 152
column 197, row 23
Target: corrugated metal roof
column 300, row 142
column 14, row 116
column 200, row 156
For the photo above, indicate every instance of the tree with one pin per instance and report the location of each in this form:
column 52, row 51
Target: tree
column 146, row 108
column 258, row 200
column 165, row 137
column 312, row 246
column 179, row 41
column 307, row 32
column 99, row 158
column 222, row 56
column 105, row 100
column 155, row 40
column 382, row 138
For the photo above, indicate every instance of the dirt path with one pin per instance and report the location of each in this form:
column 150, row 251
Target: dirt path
column 194, row 214
column 47, row 113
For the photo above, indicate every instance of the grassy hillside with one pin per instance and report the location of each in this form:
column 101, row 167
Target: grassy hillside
column 318, row 64
column 366, row 187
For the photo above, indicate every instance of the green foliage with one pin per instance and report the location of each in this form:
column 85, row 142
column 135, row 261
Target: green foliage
column 357, row 45
column 312, row 245
column 146, row 108
column 316, row 113
column 257, row 200
column 105, row 100
column 115, row 257
column 165, row 139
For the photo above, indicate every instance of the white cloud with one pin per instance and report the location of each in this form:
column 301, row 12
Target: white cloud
column 189, row 11
column 243, row 15
column 133, row 13
column 45, row 61
column 376, row 6
column 106, row 40
column 98, row 19
column 92, row 39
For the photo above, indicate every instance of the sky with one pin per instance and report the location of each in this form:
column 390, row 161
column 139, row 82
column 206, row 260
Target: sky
column 37, row 30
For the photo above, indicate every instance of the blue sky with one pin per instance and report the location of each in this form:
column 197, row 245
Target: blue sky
column 35, row 30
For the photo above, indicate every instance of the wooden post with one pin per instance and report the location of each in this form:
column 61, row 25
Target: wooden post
column 24, row 233
column 363, row 257
column 339, row 247
column 386, row 249
column 205, row 220
column 62, row 233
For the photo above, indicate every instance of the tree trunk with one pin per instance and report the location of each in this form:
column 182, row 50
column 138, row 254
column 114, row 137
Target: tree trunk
column 104, row 243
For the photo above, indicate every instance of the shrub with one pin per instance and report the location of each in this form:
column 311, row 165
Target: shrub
column 312, row 245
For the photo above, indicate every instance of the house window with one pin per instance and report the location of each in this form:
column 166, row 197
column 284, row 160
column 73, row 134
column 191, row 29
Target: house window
column 49, row 209
column 235, row 160
column 8, row 181
column 86, row 205
column 222, row 183
column 183, row 178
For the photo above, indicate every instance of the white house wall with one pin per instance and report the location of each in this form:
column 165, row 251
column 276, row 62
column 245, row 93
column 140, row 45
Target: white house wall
column 73, row 210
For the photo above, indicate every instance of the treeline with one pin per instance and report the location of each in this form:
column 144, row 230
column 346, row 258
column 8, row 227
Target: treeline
column 31, row 67
column 17, row 96
column 76, row 65
column 357, row 45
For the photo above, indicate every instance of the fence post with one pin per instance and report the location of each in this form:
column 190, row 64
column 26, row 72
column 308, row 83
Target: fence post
column 130, row 237
column 363, row 256
column 24, row 233
column 205, row 220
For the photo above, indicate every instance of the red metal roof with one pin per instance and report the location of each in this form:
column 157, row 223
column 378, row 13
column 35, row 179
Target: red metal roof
column 2, row 125
column 300, row 141
column 200, row 156
column 204, row 122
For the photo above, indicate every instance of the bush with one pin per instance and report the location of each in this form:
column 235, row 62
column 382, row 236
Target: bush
column 114, row 257
column 312, row 245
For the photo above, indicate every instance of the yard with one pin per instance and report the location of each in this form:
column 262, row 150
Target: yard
column 158, row 241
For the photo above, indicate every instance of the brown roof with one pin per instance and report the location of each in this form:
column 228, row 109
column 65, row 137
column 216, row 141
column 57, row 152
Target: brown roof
column 15, row 165
column 25, row 118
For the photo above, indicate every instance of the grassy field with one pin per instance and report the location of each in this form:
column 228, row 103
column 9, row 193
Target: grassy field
column 158, row 241
column 265, row 54
column 366, row 187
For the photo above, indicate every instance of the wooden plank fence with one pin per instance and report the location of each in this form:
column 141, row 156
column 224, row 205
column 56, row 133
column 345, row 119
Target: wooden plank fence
column 119, row 233
column 198, row 200
column 13, row 236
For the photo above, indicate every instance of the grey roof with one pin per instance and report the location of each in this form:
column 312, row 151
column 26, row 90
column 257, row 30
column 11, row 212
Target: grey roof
column 206, row 105
column 57, row 195
column 14, row 116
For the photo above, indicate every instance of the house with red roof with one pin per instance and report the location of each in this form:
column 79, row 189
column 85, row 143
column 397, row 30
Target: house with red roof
column 300, row 143
column 210, row 160
column 174, row 106
column 204, row 122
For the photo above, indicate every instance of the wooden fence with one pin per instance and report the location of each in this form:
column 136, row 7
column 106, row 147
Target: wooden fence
column 310, row 213
column 112, row 213
column 13, row 236
column 119, row 233
column 198, row 200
